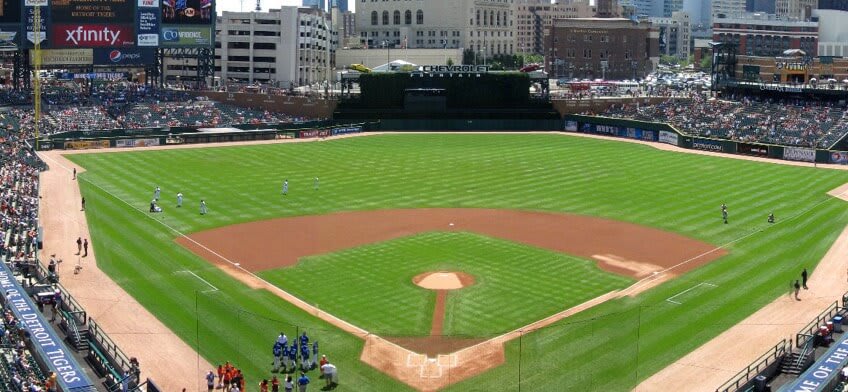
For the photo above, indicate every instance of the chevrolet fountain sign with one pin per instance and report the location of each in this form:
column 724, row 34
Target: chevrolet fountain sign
column 451, row 70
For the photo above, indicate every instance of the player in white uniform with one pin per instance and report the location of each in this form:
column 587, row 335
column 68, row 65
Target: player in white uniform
column 285, row 187
column 156, row 193
column 316, row 183
column 202, row 207
column 179, row 199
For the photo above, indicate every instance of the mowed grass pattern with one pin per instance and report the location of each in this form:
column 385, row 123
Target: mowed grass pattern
column 515, row 284
column 610, row 347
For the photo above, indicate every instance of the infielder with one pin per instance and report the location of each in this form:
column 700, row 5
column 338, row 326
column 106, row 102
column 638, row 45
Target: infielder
column 179, row 199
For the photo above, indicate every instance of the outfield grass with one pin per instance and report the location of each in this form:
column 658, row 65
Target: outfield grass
column 515, row 284
column 610, row 347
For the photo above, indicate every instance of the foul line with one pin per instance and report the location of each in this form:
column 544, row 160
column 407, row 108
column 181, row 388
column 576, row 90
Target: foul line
column 202, row 280
column 294, row 299
column 688, row 290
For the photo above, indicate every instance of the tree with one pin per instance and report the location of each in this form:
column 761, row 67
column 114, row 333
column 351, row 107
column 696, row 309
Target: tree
column 669, row 60
column 706, row 63
column 449, row 62
column 468, row 57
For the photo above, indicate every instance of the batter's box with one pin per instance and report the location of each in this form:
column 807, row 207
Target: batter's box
column 415, row 360
column 447, row 360
column 431, row 369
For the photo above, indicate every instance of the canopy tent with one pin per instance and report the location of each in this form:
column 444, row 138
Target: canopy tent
column 395, row 66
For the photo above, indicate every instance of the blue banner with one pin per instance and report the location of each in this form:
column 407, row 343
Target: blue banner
column 29, row 18
column 840, row 157
column 124, row 56
column 344, row 130
column 823, row 370
column 47, row 343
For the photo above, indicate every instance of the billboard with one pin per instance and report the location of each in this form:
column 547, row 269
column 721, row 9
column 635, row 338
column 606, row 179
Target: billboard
column 752, row 149
column 91, row 36
column 668, row 138
column 125, row 56
column 64, row 56
column 190, row 12
column 92, row 11
column 147, row 23
column 182, row 36
column 9, row 34
column 706, row 145
column 840, row 157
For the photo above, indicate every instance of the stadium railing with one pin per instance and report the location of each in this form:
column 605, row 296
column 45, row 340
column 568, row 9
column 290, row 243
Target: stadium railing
column 809, row 331
column 771, row 358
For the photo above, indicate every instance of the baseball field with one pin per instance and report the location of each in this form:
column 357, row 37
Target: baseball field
column 531, row 225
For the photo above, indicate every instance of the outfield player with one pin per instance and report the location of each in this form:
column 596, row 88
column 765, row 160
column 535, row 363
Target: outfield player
column 203, row 207
column 724, row 213
column 179, row 199
column 316, row 183
column 285, row 187
column 156, row 193
column 771, row 217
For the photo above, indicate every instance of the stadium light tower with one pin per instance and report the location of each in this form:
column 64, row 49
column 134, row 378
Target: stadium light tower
column 258, row 5
column 36, row 51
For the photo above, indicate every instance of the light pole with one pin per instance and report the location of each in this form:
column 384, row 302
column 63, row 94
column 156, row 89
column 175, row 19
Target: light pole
column 388, row 56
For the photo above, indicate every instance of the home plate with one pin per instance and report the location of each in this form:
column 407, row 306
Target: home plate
column 450, row 224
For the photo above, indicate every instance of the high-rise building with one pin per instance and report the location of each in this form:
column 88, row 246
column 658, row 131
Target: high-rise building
column 485, row 26
column 642, row 7
column 341, row 4
column 766, row 35
column 674, row 34
column 727, row 8
column 833, row 32
column 795, row 9
column 670, row 6
column 532, row 17
column 700, row 13
column 318, row 4
column 841, row 5
column 607, row 9
column 766, row 6
column 287, row 47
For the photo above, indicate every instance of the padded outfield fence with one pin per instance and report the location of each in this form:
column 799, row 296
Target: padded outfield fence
column 665, row 133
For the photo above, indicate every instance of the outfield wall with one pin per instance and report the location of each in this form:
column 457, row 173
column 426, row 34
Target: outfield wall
column 665, row 133
column 288, row 104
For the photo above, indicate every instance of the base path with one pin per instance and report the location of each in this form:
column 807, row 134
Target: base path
column 163, row 356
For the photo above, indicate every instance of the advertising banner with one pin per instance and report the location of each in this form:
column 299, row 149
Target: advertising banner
column 147, row 23
column 92, row 36
column 9, row 36
column 344, row 130
column 706, row 145
column 314, row 133
column 185, row 36
column 127, row 56
column 93, row 11
column 840, row 157
column 29, row 19
column 187, row 12
column 668, row 138
column 799, row 154
column 86, row 145
column 137, row 142
column 570, row 126
column 752, row 149
column 636, row 133
column 64, row 56
column 606, row 129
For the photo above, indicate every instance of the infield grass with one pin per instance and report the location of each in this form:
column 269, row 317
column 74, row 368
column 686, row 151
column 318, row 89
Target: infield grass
column 610, row 347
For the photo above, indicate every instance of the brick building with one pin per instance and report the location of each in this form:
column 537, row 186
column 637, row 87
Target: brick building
column 609, row 48
column 532, row 17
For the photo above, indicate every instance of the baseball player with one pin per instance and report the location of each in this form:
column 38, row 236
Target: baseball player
column 285, row 187
column 304, row 357
column 724, row 212
column 283, row 339
column 771, row 217
column 179, row 199
column 314, row 354
column 293, row 356
column 278, row 352
column 316, row 183
column 156, row 193
column 203, row 207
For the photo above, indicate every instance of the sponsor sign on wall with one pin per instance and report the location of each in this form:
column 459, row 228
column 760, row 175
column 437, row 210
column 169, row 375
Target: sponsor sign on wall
column 752, row 149
column 126, row 56
column 92, row 36
column 799, row 154
column 571, row 126
column 86, row 145
column 314, row 133
column 185, row 36
column 147, row 23
column 9, row 34
column 64, row 56
column 29, row 19
column 344, row 130
column 840, row 157
column 136, row 142
column 93, row 11
column 668, row 137
column 706, row 145
column 606, row 129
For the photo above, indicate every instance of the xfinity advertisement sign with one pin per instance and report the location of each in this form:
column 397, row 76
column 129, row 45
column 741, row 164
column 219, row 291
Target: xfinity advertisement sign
column 186, row 36
column 92, row 36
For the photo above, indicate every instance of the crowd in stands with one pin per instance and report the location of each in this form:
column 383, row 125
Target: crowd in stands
column 806, row 124
column 17, row 364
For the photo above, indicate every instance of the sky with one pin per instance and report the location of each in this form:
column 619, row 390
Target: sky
column 250, row 5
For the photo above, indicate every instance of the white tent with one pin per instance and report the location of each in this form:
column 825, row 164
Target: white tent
column 394, row 66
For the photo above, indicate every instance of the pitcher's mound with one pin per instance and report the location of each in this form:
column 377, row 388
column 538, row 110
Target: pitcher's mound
column 443, row 280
